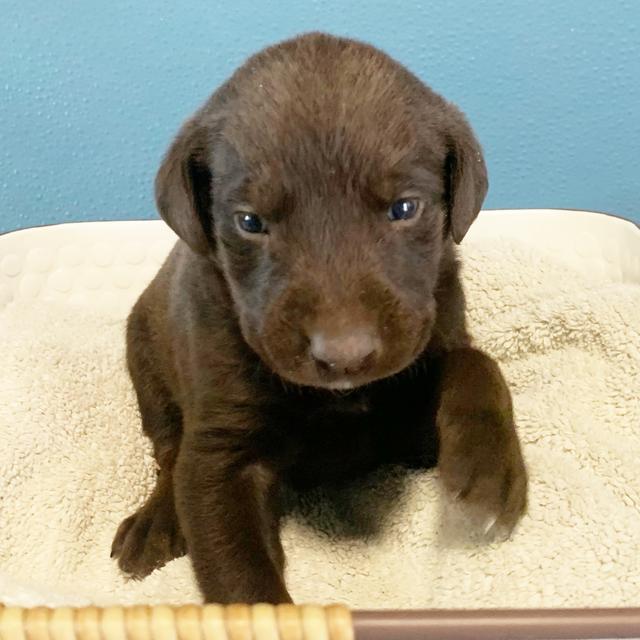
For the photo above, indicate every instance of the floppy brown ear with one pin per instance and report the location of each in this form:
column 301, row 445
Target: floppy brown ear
column 183, row 187
column 466, row 177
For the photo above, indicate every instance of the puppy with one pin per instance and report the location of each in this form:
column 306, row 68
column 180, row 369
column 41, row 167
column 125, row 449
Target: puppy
column 309, row 324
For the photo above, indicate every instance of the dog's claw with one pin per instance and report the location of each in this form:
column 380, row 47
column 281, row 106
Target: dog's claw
column 489, row 525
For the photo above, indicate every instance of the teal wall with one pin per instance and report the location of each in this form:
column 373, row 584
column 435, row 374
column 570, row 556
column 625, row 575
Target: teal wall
column 91, row 92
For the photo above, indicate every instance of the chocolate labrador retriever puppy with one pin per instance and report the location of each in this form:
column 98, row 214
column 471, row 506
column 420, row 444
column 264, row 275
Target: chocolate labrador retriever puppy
column 309, row 324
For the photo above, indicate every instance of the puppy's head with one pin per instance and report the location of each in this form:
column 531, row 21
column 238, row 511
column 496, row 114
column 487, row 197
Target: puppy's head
column 326, row 180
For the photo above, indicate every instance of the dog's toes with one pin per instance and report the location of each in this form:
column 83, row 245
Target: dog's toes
column 121, row 534
column 487, row 502
column 148, row 540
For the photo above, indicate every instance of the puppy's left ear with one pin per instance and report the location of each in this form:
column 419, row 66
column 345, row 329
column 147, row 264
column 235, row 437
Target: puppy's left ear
column 466, row 181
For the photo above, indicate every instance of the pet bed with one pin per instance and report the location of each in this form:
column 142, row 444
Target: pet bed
column 553, row 295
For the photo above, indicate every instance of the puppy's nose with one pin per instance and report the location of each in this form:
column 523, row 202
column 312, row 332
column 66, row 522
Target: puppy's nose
column 347, row 353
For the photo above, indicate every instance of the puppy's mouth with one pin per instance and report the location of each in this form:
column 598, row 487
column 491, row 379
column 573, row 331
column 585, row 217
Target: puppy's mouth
column 341, row 385
column 307, row 375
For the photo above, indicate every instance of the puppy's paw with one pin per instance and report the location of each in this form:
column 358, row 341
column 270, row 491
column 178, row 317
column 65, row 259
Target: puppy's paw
column 148, row 539
column 487, row 484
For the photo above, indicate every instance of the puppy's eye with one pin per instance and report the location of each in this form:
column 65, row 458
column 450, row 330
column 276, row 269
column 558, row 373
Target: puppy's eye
column 404, row 209
column 250, row 222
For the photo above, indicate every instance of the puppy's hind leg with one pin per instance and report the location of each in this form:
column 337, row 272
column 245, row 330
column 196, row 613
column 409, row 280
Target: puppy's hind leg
column 151, row 537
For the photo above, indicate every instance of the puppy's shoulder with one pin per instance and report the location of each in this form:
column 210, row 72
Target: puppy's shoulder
column 450, row 330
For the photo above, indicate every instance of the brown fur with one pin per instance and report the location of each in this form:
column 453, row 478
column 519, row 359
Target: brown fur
column 318, row 135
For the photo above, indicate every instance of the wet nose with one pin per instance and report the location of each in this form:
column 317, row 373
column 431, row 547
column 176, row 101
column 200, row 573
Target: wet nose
column 348, row 353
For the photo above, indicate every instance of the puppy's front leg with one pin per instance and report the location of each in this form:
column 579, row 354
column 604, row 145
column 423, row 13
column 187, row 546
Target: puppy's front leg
column 227, row 508
column 480, row 459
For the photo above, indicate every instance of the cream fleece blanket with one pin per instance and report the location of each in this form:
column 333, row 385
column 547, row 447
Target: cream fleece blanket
column 73, row 462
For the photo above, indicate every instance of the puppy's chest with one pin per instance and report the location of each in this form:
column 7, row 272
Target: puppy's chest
column 317, row 419
column 351, row 403
column 332, row 438
column 332, row 442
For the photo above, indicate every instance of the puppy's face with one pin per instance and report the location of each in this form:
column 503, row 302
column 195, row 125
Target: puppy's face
column 325, row 179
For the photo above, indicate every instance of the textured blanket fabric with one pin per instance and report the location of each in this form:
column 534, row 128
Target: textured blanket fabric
column 73, row 462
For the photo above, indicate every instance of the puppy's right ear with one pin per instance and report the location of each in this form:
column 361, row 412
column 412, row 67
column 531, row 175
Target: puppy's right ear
column 183, row 187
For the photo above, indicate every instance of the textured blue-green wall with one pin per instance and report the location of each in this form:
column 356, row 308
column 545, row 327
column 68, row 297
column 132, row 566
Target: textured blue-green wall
column 91, row 91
